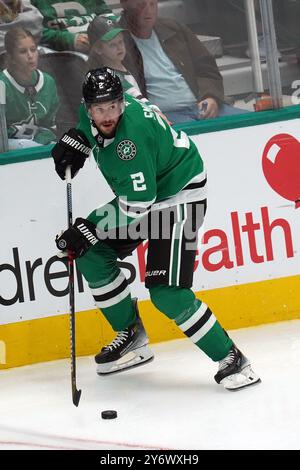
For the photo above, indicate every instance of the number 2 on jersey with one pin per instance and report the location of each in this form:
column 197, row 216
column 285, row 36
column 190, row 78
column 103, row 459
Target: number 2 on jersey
column 138, row 181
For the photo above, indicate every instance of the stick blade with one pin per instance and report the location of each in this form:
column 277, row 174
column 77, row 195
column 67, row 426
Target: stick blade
column 76, row 394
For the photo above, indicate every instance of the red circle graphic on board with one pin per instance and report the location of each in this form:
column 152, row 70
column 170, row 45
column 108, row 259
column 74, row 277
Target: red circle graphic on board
column 281, row 166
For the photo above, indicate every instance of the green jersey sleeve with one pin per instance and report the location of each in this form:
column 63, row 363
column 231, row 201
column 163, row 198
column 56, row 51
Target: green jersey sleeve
column 64, row 19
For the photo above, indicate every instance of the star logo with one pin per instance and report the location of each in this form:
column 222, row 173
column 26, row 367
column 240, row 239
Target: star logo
column 25, row 129
column 126, row 150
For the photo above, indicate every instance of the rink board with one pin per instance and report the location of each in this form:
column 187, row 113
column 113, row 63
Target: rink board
column 247, row 267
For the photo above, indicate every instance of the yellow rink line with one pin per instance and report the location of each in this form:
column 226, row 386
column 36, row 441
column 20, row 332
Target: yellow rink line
column 47, row 339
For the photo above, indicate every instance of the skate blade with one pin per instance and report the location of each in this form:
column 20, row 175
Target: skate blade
column 133, row 359
column 245, row 378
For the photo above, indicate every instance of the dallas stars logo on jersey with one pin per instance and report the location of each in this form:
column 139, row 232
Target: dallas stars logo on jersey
column 31, row 110
column 126, row 150
column 25, row 129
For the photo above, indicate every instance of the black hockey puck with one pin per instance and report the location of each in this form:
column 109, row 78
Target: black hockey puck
column 109, row 414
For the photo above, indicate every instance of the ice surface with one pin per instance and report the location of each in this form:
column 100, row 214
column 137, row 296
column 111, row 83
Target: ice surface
column 171, row 403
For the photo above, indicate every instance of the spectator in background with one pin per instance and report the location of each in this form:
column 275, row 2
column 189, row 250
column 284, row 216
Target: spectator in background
column 31, row 97
column 108, row 49
column 181, row 76
column 19, row 13
column 66, row 23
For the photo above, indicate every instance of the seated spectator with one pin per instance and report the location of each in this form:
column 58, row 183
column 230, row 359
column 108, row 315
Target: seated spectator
column 19, row 13
column 66, row 23
column 31, row 97
column 181, row 76
column 108, row 50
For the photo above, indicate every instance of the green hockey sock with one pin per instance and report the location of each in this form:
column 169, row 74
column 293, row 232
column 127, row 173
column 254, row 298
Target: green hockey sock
column 194, row 318
column 120, row 315
column 205, row 331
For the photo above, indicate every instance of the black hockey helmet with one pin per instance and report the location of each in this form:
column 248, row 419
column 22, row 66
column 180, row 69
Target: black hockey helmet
column 101, row 85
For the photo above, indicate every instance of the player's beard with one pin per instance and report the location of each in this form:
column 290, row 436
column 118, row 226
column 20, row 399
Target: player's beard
column 109, row 134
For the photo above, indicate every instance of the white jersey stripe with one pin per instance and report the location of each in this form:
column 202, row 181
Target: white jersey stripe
column 144, row 204
column 180, row 243
column 205, row 329
column 133, row 215
column 114, row 300
column 172, row 244
column 185, row 195
column 194, row 318
column 109, row 287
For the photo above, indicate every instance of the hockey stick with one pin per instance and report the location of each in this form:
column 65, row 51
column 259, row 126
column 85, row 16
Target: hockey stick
column 75, row 393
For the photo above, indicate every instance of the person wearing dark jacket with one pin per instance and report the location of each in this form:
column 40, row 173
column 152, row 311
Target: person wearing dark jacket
column 173, row 68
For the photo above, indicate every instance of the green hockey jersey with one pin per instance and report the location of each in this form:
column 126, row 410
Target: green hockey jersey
column 31, row 111
column 147, row 164
column 64, row 19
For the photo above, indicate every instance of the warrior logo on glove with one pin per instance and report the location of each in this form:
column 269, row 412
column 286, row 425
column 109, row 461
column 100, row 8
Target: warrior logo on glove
column 62, row 244
column 72, row 150
column 75, row 144
column 78, row 238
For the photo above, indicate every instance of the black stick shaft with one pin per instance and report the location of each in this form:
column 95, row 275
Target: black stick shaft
column 75, row 393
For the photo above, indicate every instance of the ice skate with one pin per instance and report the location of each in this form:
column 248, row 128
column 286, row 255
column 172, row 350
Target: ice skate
column 128, row 349
column 235, row 371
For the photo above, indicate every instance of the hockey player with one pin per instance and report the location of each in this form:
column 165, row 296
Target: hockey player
column 152, row 170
